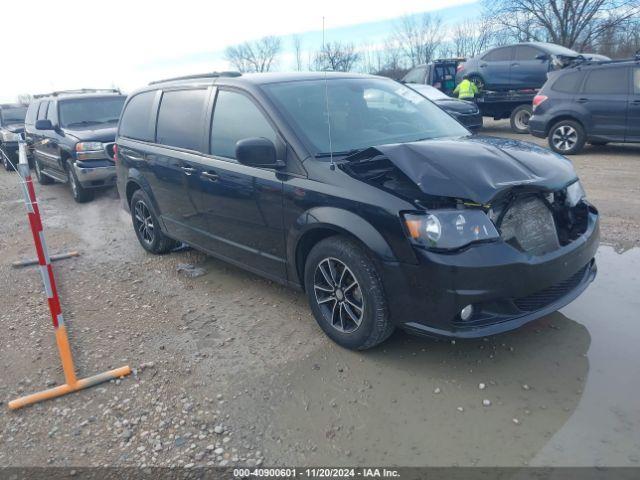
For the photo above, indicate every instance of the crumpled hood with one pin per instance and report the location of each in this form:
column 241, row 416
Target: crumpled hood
column 476, row 168
column 104, row 134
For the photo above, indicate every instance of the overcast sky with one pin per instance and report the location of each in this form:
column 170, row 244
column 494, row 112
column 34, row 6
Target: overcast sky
column 62, row 44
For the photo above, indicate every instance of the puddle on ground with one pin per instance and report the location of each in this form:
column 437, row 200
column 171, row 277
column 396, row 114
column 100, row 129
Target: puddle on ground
column 564, row 390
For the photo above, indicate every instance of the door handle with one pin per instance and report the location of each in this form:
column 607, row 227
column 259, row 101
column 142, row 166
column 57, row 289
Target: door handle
column 582, row 100
column 635, row 102
column 188, row 170
column 211, row 176
column 515, row 64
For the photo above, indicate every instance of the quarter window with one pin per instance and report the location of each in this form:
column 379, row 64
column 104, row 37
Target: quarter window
column 235, row 118
column 136, row 119
column 180, row 118
column 568, row 83
column 607, row 81
column 416, row 75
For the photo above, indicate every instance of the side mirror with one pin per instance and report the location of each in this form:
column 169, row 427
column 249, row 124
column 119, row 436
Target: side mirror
column 542, row 56
column 257, row 152
column 44, row 125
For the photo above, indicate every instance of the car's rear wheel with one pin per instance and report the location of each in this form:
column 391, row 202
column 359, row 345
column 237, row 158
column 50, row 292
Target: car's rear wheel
column 520, row 118
column 147, row 226
column 346, row 295
column 566, row 137
column 80, row 194
column 42, row 178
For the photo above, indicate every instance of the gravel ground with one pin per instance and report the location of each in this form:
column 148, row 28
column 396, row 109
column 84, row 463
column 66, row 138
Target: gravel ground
column 232, row 369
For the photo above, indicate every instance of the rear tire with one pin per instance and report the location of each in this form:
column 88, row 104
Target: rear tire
column 346, row 295
column 80, row 194
column 566, row 137
column 147, row 226
column 520, row 118
column 42, row 178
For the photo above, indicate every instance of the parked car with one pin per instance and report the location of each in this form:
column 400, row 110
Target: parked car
column 514, row 67
column 11, row 127
column 440, row 74
column 71, row 134
column 594, row 102
column 467, row 113
column 395, row 216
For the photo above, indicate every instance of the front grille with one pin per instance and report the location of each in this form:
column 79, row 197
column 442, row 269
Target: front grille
column 549, row 295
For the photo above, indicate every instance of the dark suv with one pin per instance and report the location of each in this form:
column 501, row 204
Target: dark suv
column 11, row 127
column 596, row 102
column 70, row 136
column 361, row 192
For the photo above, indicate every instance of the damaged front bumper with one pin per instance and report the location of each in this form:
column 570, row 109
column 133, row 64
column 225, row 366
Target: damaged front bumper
column 506, row 287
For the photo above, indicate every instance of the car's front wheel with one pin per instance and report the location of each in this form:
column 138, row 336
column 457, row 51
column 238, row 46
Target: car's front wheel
column 346, row 295
column 5, row 162
column 566, row 137
column 80, row 194
column 147, row 226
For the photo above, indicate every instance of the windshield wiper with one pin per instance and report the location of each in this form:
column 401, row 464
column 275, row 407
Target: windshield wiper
column 345, row 153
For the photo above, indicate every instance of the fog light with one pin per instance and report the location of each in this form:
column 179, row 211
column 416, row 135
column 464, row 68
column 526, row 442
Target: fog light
column 466, row 312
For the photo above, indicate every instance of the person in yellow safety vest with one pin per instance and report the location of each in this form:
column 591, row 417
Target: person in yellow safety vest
column 466, row 89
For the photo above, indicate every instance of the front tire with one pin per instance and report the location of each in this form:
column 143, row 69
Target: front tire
column 42, row 178
column 80, row 194
column 346, row 295
column 5, row 163
column 566, row 137
column 147, row 226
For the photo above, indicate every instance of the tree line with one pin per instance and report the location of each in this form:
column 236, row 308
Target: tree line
column 607, row 27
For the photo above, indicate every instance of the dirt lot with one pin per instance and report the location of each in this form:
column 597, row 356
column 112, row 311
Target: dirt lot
column 232, row 369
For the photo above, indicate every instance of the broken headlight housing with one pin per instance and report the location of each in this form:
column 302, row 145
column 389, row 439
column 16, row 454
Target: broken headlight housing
column 449, row 229
column 575, row 193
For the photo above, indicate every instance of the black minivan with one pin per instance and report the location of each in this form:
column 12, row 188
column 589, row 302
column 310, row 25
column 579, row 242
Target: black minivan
column 361, row 192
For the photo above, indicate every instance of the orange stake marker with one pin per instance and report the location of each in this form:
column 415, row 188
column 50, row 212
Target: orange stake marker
column 62, row 339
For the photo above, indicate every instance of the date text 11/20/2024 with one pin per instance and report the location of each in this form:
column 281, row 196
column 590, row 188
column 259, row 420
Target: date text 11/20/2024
column 315, row 473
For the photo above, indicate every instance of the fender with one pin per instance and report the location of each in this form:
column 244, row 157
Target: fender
column 136, row 177
column 341, row 221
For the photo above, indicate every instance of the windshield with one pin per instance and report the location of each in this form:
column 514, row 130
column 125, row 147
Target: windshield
column 430, row 92
column 90, row 111
column 13, row 115
column 363, row 112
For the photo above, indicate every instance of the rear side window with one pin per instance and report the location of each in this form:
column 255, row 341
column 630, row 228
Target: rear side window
column 42, row 111
column 636, row 81
column 32, row 113
column 525, row 52
column 136, row 119
column 180, row 119
column 498, row 55
column 568, row 83
column 235, row 118
column 416, row 75
column 607, row 81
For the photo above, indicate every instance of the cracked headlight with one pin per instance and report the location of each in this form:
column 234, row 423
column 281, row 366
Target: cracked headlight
column 575, row 193
column 449, row 229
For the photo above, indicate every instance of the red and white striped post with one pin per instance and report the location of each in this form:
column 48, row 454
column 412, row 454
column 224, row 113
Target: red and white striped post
column 72, row 383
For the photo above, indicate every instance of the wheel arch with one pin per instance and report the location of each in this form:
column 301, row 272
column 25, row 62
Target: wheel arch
column 323, row 222
column 561, row 117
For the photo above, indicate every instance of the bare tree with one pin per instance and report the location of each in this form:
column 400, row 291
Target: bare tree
column 256, row 56
column 471, row 37
column 297, row 50
column 25, row 98
column 571, row 23
column 337, row 56
column 419, row 37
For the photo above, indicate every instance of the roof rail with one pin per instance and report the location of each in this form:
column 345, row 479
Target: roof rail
column 199, row 75
column 80, row 90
